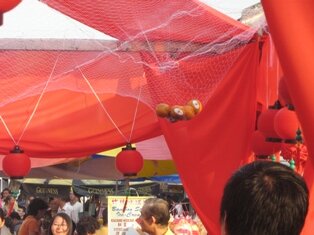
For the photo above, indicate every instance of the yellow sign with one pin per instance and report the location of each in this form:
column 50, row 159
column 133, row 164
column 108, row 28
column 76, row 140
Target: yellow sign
column 122, row 213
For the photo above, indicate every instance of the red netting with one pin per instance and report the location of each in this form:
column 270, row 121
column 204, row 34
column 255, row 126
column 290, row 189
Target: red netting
column 168, row 51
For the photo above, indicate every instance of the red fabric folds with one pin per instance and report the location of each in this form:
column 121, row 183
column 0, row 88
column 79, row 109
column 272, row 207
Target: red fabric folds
column 208, row 148
column 73, row 124
column 292, row 27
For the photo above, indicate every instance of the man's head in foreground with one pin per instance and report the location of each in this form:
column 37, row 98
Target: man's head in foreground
column 264, row 198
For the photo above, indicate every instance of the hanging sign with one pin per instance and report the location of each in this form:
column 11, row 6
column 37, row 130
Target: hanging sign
column 122, row 222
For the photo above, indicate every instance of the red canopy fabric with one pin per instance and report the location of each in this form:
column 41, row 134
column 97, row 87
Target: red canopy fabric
column 153, row 20
column 77, row 127
column 292, row 27
column 215, row 64
column 208, row 148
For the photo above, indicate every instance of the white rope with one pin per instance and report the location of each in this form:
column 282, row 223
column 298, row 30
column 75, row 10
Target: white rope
column 102, row 106
column 34, row 110
column 38, row 101
column 107, row 113
column 136, row 110
column 8, row 130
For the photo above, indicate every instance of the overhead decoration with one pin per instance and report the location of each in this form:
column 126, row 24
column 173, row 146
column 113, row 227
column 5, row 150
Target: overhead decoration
column 179, row 112
column 286, row 123
column 16, row 164
column 7, row 5
column 196, row 104
column 265, row 122
column 261, row 147
column 129, row 161
column 296, row 153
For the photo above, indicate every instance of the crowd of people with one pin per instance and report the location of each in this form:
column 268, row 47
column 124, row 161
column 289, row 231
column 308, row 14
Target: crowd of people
column 261, row 198
column 60, row 215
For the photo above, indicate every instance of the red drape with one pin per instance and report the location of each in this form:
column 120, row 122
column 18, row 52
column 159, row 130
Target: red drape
column 199, row 147
column 292, row 27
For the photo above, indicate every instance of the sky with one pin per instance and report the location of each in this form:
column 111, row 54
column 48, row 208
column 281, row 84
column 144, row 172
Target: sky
column 33, row 19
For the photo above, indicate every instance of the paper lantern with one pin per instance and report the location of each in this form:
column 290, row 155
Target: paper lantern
column 286, row 123
column 7, row 5
column 129, row 161
column 261, row 147
column 265, row 122
column 16, row 164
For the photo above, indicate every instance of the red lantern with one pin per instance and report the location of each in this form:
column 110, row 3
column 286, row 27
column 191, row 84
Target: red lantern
column 7, row 5
column 286, row 124
column 129, row 161
column 261, row 147
column 16, row 164
column 265, row 122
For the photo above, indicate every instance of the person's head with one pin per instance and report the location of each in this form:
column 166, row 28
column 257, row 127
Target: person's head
column 263, row 198
column 5, row 192
column 21, row 210
column 61, row 224
column 87, row 225
column 37, row 208
column 74, row 197
column 9, row 199
column 62, row 200
column 154, row 215
column 54, row 204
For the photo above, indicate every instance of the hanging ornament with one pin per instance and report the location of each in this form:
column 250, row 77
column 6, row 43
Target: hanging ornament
column 163, row 110
column 265, row 122
column 129, row 161
column 261, row 147
column 16, row 164
column 286, row 123
column 292, row 164
column 7, row 5
column 296, row 151
column 196, row 104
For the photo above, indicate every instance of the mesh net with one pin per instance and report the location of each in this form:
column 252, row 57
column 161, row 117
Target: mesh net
column 163, row 51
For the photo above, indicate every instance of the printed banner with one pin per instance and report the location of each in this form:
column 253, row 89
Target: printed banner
column 123, row 223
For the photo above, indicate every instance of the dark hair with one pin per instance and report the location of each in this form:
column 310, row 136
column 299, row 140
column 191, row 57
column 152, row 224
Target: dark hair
column 87, row 224
column 35, row 205
column 5, row 189
column 264, row 198
column 7, row 199
column 158, row 208
column 66, row 218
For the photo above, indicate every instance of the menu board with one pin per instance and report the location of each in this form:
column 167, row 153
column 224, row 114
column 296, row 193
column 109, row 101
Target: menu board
column 122, row 213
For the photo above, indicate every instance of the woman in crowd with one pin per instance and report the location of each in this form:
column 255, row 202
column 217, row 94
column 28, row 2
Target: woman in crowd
column 61, row 225
column 9, row 203
column 36, row 211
